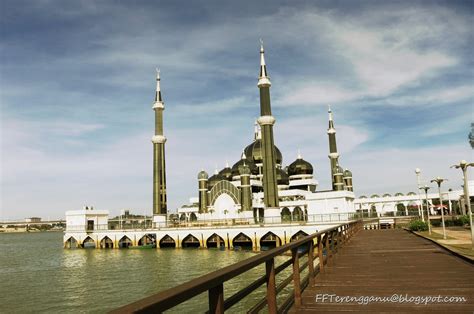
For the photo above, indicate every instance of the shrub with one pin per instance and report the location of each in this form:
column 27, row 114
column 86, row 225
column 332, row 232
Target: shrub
column 418, row 225
column 464, row 220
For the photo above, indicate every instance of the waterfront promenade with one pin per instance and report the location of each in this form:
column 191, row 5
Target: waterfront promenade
column 345, row 262
column 387, row 262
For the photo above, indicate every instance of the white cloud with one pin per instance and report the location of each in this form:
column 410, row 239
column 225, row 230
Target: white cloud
column 384, row 57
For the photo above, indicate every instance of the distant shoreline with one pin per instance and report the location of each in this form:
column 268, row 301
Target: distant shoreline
column 24, row 231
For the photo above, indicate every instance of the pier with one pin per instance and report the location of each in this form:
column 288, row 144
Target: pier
column 346, row 261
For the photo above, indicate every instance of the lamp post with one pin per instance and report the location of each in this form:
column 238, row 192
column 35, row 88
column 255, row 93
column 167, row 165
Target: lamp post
column 438, row 181
column 420, row 207
column 426, row 188
column 464, row 165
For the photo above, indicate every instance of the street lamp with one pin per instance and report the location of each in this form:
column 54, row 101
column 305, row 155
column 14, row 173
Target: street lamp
column 426, row 188
column 440, row 180
column 420, row 207
column 464, row 165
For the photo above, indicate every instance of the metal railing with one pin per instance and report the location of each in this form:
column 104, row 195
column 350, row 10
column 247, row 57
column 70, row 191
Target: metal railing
column 341, row 217
column 327, row 244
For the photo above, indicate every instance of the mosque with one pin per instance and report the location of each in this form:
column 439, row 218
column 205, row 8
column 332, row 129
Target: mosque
column 258, row 186
column 257, row 203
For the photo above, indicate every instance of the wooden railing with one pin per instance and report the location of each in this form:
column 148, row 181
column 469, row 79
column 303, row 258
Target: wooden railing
column 327, row 244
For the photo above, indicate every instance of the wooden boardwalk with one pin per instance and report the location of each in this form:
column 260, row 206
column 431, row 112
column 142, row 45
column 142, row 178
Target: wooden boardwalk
column 387, row 262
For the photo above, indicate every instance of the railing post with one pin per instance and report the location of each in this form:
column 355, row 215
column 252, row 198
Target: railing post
column 339, row 238
column 271, row 286
column 296, row 276
column 311, row 263
column 216, row 299
column 320, row 253
column 328, row 249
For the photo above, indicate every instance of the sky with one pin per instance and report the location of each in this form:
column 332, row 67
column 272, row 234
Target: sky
column 77, row 81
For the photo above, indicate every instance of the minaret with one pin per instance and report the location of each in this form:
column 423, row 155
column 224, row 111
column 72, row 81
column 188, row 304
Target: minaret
column 266, row 121
column 245, row 188
column 202, row 178
column 333, row 155
column 159, row 140
column 347, row 176
column 338, row 178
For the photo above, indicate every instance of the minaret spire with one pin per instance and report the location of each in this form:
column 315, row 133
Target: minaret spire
column 263, row 78
column 333, row 154
column 331, row 121
column 158, row 88
column 266, row 122
column 159, row 140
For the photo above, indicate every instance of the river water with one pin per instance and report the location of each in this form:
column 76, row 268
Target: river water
column 38, row 275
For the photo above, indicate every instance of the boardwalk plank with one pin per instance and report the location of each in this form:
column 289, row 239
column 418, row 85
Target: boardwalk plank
column 387, row 262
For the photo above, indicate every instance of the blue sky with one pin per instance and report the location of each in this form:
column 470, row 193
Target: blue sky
column 77, row 85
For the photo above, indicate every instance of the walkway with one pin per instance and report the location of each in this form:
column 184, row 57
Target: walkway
column 387, row 262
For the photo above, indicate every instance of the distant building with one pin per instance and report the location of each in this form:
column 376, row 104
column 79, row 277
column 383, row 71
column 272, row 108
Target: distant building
column 33, row 219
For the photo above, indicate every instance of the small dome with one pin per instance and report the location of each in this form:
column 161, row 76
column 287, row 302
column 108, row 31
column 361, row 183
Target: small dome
column 386, row 195
column 300, row 166
column 249, row 163
column 398, row 194
column 226, row 173
column 244, row 169
column 347, row 173
column 213, row 180
column 374, row 196
column 202, row 175
column 411, row 193
column 282, row 177
column 338, row 170
column 254, row 152
column 363, row 196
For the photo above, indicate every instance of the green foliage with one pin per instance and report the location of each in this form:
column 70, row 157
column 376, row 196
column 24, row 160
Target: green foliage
column 418, row 225
column 464, row 220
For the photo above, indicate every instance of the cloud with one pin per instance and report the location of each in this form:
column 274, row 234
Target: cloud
column 83, row 135
column 384, row 52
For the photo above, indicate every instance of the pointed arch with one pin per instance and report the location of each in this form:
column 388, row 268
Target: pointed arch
column 242, row 241
column 148, row 240
column 190, row 241
column 300, row 234
column 215, row 241
column 167, row 242
column 269, row 241
column 285, row 214
column 125, row 242
column 106, row 243
column 71, row 243
column 88, row 243
column 298, row 214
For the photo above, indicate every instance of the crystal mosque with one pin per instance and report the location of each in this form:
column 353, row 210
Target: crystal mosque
column 255, row 203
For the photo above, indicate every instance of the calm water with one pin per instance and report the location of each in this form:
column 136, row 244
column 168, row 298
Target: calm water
column 38, row 275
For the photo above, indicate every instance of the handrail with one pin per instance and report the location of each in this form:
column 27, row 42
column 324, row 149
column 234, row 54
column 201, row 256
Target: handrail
column 214, row 282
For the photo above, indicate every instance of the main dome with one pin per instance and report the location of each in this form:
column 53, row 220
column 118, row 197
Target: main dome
column 254, row 150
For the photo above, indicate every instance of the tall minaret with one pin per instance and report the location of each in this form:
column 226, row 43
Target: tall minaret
column 159, row 140
column 333, row 155
column 266, row 121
